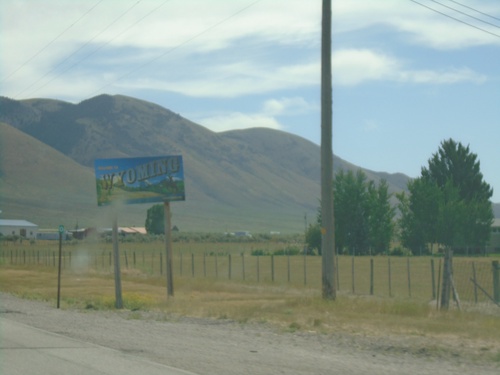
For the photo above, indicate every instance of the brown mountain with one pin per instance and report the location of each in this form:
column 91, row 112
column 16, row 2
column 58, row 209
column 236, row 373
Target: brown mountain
column 256, row 179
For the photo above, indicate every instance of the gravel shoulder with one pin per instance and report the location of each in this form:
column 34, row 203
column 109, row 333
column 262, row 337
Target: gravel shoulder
column 223, row 347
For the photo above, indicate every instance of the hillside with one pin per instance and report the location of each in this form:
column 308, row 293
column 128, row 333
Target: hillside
column 254, row 179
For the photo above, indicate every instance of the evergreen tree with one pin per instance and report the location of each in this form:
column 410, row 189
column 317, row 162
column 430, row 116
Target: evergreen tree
column 155, row 220
column 449, row 203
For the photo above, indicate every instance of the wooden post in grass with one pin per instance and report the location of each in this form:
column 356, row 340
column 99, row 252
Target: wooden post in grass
column 371, row 277
column 475, row 281
column 446, row 286
column 389, row 275
column 352, row 275
column 409, row 276
column 272, row 268
column 205, row 264
column 59, row 271
column 243, row 266
column 116, row 253
column 433, row 277
column 496, row 281
column 192, row 264
column 168, row 249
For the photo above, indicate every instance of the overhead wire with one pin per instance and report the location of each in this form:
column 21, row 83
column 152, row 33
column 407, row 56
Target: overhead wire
column 52, row 41
column 456, row 19
column 102, row 45
column 475, row 10
column 170, row 50
column 465, row 14
column 81, row 47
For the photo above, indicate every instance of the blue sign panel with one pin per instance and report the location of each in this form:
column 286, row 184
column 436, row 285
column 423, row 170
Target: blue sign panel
column 139, row 180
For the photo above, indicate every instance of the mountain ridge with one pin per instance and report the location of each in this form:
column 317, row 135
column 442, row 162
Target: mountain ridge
column 257, row 179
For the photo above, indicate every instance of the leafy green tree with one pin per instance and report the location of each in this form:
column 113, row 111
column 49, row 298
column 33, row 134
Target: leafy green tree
column 155, row 220
column 363, row 216
column 313, row 237
column 419, row 214
column 381, row 224
column 449, row 203
column 351, row 207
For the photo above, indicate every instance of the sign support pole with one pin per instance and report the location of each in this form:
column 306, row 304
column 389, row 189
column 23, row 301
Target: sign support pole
column 116, row 256
column 59, row 268
column 168, row 249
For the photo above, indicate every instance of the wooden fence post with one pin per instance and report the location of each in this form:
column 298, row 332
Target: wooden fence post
column 288, row 266
column 305, row 268
column 216, row 267
column 433, row 277
column 475, row 281
column 258, row 269
column 496, row 281
column 352, row 275
column 371, row 277
column 409, row 276
column 192, row 264
column 272, row 268
column 243, row 265
column 389, row 275
column 446, row 286
column 337, row 271
column 205, row 264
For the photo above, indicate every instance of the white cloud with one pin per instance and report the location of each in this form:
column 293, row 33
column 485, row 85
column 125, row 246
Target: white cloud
column 351, row 67
column 288, row 106
column 217, row 51
column 237, row 120
column 450, row 76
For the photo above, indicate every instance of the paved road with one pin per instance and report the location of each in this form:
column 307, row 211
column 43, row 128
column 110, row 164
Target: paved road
column 25, row 350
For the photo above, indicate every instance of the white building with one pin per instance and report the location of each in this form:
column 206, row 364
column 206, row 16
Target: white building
column 494, row 244
column 20, row 228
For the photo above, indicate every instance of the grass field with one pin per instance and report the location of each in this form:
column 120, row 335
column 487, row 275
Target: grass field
column 225, row 281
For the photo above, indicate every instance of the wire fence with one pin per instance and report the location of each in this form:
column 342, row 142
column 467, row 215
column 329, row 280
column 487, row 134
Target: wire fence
column 476, row 280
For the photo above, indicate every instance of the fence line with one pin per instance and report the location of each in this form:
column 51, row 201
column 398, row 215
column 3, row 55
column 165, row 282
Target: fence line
column 476, row 279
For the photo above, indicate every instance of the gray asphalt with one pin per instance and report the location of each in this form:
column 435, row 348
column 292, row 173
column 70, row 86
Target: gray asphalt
column 26, row 350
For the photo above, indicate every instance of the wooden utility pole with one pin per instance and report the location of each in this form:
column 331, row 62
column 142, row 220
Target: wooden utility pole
column 327, row 220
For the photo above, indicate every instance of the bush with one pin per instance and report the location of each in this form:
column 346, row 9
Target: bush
column 289, row 250
column 400, row 251
column 259, row 252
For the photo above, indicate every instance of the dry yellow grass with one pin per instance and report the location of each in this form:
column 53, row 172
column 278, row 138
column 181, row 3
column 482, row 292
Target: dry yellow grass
column 88, row 283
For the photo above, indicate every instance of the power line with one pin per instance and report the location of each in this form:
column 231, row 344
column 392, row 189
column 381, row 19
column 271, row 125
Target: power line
column 52, row 41
column 102, row 45
column 465, row 14
column 178, row 45
column 456, row 19
column 475, row 10
column 83, row 46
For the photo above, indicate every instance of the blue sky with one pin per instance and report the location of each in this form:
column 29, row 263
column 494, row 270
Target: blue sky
column 405, row 77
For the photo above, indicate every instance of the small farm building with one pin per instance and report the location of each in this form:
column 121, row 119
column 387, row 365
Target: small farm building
column 21, row 228
column 494, row 244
